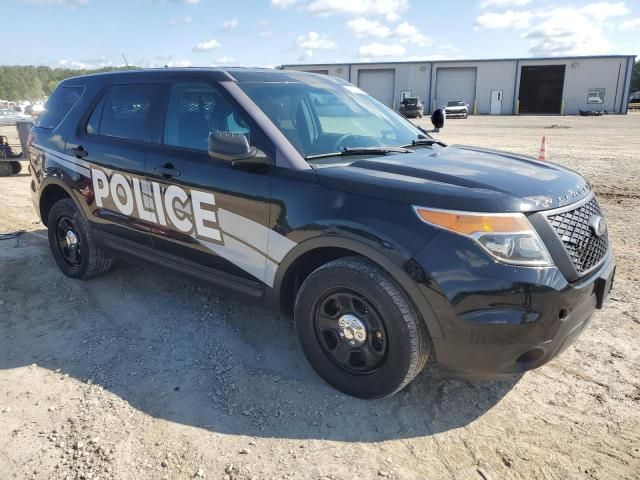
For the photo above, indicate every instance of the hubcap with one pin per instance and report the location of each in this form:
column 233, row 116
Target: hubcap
column 68, row 242
column 72, row 239
column 350, row 331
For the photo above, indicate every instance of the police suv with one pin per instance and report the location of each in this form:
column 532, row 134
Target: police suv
column 306, row 195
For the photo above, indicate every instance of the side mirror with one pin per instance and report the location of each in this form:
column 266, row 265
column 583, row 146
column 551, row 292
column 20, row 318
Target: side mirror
column 234, row 147
column 437, row 118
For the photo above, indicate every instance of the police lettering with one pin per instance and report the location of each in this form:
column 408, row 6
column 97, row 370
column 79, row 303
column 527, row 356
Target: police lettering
column 186, row 213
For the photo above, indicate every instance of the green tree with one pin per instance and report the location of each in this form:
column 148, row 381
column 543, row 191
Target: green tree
column 26, row 82
column 635, row 77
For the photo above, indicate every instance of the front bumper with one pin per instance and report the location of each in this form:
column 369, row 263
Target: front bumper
column 498, row 319
column 458, row 113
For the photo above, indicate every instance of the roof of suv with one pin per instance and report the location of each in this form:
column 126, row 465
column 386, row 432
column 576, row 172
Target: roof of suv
column 237, row 74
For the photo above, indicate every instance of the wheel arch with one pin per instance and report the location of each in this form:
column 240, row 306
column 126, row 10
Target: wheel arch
column 50, row 194
column 315, row 252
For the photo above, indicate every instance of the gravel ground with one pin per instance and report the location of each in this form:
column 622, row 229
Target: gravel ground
column 145, row 375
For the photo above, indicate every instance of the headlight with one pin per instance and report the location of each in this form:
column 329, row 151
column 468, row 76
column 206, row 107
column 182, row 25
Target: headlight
column 507, row 237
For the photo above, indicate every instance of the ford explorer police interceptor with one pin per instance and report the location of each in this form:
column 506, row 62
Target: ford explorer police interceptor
column 303, row 193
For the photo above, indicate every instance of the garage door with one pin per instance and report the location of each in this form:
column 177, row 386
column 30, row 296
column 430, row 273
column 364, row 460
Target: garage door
column 378, row 83
column 455, row 84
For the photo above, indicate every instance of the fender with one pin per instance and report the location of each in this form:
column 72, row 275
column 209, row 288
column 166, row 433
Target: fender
column 395, row 261
column 56, row 181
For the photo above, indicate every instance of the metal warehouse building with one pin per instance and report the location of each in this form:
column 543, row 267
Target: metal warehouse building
column 559, row 85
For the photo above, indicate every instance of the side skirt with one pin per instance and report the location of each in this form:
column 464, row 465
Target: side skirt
column 135, row 251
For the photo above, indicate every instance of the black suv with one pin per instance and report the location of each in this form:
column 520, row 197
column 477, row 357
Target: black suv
column 301, row 192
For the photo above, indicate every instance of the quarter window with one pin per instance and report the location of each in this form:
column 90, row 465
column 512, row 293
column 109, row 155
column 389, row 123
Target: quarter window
column 195, row 110
column 59, row 104
column 127, row 111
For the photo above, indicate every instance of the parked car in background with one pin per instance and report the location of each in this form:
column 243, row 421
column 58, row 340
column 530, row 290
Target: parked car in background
column 411, row 107
column 456, row 109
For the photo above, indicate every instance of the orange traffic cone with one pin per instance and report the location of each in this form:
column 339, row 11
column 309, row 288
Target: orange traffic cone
column 543, row 149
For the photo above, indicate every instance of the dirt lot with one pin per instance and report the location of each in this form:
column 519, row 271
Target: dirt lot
column 145, row 375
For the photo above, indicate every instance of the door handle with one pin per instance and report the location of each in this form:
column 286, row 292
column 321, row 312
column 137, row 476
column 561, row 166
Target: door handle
column 79, row 151
column 167, row 170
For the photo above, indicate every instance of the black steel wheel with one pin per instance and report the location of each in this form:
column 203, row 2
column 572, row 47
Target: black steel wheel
column 350, row 330
column 69, row 243
column 72, row 244
column 359, row 330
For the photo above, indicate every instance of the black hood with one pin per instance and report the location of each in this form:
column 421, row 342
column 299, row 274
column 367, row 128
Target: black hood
column 459, row 178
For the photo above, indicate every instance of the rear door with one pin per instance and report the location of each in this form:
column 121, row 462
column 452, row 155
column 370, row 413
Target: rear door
column 112, row 143
column 214, row 215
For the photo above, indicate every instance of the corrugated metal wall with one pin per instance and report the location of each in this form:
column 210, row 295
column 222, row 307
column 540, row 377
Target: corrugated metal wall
column 582, row 73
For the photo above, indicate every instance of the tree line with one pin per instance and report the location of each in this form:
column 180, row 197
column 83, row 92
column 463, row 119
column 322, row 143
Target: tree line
column 34, row 83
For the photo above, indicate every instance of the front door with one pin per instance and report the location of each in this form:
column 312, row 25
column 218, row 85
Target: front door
column 496, row 102
column 212, row 214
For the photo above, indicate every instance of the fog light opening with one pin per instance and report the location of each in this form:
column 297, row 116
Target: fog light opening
column 562, row 314
column 532, row 356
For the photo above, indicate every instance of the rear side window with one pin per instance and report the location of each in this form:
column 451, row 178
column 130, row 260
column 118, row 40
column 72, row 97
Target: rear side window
column 127, row 111
column 59, row 104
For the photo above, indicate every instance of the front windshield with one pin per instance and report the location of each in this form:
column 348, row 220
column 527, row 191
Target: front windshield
column 326, row 118
column 455, row 104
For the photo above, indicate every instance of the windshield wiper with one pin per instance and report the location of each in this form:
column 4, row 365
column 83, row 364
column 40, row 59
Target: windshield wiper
column 425, row 141
column 360, row 151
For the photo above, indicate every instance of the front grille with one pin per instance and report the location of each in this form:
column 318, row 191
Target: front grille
column 584, row 247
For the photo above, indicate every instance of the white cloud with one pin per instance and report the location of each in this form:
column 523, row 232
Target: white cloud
column 181, row 20
column 225, row 60
column 630, row 24
column 283, row 3
column 305, row 56
column 408, row 33
column 265, row 34
column 600, row 11
column 573, row 31
column 390, row 9
column 405, row 32
column 230, row 24
column 362, row 27
column 504, row 3
column 68, row 3
column 315, row 41
column 206, row 46
column 507, row 19
column 178, row 63
column 381, row 50
column 87, row 64
column 560, row 30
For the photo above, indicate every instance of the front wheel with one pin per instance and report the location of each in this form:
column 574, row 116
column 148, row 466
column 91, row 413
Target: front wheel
column 359, row 330
column 72, row 244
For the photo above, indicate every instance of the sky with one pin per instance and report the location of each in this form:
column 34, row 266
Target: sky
column 266, row 33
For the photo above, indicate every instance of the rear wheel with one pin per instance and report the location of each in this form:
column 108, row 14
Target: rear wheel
column 16, row 167
column 359, row 330
column 72, row 243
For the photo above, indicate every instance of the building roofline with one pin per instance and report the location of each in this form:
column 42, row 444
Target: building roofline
column 461, row 60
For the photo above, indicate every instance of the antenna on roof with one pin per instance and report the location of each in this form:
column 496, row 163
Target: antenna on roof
column 125, row 61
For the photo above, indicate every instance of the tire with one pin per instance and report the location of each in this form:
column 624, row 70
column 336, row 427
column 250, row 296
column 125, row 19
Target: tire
column 5, row 169
column 17, row 167
column 76, row 254
column 394, row 347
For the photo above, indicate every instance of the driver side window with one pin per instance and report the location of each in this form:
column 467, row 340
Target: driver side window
column 194, row 111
